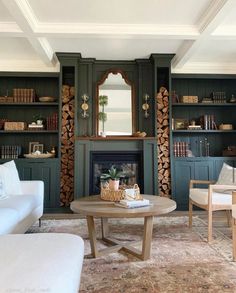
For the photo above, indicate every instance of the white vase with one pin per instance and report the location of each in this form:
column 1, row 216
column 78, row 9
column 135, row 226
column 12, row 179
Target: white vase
column 114, row 184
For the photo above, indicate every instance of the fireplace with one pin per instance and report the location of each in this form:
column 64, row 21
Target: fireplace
column 128, row 162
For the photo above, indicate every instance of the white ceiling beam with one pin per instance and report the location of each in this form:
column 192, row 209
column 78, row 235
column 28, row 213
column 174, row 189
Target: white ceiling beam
column 77, row 30
column 27, row 21
column 210, row 20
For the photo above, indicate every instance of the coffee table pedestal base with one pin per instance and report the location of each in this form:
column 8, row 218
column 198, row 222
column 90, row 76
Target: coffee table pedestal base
column 143, row 254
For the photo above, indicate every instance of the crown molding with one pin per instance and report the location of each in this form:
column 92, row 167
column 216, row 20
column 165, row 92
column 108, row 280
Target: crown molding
column 207, row 67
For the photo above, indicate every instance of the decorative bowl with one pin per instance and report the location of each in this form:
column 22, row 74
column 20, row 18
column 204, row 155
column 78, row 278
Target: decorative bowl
column 47, row 99
column 39, row 156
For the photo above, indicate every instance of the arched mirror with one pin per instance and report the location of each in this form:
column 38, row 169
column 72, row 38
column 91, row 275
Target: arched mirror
column 115, row 104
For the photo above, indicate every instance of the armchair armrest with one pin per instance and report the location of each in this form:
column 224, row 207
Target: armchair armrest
column 192, row 182
column 221, row 187
column 32, row 187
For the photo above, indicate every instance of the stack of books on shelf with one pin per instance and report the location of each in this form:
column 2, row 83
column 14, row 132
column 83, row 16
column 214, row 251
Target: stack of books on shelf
column 129, row 204
column 219, row 97
column 52, row 122
column 180, row 149
column 208, row 122
column 23, row 95
column 10, row 151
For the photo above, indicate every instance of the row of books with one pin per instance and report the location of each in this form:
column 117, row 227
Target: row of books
column 52, row 122
column 10, row 151
column 208, row 122
column 23, row 95
column 180, row 149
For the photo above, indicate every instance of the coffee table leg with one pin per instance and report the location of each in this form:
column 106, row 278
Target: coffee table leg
column 105, row 228
column 92, row 236
column 147, row 237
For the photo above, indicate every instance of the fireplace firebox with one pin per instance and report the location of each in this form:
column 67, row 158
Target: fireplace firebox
column 130, row 163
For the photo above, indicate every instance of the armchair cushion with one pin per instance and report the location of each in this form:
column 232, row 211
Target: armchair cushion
column 200, row 195
column 227, row 175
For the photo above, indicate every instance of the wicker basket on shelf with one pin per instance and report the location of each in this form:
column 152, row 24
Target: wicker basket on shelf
column 117, row 195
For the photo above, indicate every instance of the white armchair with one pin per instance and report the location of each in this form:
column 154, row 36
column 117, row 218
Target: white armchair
column 234, row 224
column 214, row 198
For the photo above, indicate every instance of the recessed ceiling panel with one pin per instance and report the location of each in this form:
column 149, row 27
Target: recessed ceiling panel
column 122, row 11
column 4, row 13
column 115, row 49
column 219, row 51
column 16, row 48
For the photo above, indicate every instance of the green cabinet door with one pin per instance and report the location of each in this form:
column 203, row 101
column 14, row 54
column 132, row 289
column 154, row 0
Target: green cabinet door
column 204, row 170
column 183, row 172
column 47, row 170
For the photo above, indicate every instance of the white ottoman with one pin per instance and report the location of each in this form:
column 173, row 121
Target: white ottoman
column 49, row 263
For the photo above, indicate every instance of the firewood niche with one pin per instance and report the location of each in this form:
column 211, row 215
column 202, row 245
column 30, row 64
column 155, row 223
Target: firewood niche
column 164, row 182
column 67, row 146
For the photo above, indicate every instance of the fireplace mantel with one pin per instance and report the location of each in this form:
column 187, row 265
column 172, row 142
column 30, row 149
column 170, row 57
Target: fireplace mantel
column 85, row 146
column 114, row 138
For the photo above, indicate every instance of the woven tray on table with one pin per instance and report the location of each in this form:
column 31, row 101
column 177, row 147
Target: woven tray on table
column 117, row 195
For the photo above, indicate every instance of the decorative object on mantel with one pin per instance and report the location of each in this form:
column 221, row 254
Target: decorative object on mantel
column 139, row 134
column 85, row 106
column 162, row 101
column 102, row 116
column 67, row 145
column 146, row 106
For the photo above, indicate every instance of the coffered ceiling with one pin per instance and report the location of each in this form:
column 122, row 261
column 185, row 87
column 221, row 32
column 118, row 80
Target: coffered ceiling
column 201, row 33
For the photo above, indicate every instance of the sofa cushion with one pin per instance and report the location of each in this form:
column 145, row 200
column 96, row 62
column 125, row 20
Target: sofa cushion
column 47, row 262
column 9, row 179
column 200, row 195
column 23, row 204
column 8, row 220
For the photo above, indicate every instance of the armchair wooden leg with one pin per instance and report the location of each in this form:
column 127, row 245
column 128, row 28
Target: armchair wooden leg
column 190, row 213
column 229, row 217
column 209, row 226
column 234, row 239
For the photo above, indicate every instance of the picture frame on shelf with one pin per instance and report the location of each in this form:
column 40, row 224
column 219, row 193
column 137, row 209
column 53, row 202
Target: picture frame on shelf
column 38, row 147
column 31, row 146
column 180, row 124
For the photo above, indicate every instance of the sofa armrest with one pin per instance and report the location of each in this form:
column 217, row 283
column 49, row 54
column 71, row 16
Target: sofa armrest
column 32, row 187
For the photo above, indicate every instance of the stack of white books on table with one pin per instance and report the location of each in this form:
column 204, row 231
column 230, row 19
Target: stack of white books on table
column 133, row 203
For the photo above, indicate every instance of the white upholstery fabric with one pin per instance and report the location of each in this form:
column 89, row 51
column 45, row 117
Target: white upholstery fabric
column 200, row 195
column 41, row 263
column 9, row 179
column 19, row 212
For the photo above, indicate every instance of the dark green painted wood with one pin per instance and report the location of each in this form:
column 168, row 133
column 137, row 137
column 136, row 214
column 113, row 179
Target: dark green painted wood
column 150, row 167
column 47, row 170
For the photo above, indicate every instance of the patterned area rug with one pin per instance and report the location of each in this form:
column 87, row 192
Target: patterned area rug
column 181, row 261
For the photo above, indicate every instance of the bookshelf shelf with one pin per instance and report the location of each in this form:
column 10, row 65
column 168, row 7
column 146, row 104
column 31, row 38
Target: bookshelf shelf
column 28, row 131
column 198, row 153
column 34, row 104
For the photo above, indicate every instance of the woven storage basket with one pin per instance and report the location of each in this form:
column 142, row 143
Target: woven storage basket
column 117, row 195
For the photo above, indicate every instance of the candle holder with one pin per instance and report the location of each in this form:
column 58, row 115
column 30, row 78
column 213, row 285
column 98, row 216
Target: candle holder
column 85, row 106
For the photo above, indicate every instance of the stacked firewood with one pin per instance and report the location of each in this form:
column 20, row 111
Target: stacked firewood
column 67, row 145
column 163, row 142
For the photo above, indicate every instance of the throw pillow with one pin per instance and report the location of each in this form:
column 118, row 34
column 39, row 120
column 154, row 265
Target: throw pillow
column 9, row 179
column 227, row 175
column 2, row 191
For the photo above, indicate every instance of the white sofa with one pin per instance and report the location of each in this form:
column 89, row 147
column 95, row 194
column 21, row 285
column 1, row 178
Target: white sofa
column 19, row 212
column 40, row 262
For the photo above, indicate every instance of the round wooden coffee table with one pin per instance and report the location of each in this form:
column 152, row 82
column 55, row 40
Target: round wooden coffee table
column 93, row 206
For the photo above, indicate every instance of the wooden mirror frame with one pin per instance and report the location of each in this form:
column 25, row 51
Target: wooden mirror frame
column 100, row 82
